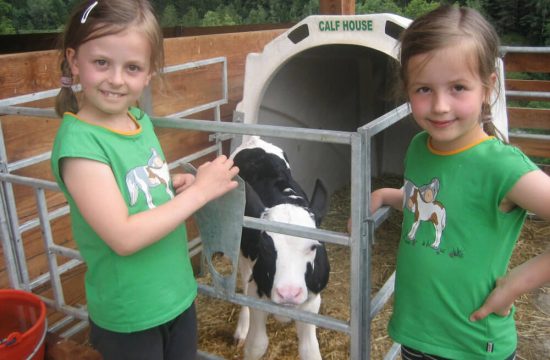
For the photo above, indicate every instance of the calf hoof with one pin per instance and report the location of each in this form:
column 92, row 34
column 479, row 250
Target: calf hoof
column 239, row 336
column 239, row 343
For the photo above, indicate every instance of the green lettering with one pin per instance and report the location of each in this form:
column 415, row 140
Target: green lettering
column 345, row 25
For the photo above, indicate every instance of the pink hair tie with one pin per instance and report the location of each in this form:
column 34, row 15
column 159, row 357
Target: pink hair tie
column 66, row 81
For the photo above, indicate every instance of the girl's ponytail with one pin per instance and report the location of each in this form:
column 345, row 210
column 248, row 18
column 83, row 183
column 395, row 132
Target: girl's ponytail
column 66, row 99
column 488, row 124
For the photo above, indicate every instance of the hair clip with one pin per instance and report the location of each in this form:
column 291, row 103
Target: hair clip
column 87, row 12
column 66, row 81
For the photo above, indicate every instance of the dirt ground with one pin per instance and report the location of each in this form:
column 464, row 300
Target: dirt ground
column 217, row 319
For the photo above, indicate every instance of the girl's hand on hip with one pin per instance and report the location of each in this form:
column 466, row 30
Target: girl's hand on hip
column 499, row 302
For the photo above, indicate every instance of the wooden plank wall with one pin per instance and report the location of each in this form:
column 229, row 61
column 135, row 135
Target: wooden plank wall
column 26, row 73
column 523, row 117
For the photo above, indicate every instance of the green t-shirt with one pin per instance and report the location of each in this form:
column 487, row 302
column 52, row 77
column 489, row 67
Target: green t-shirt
column 455, row 243
column 155, row 284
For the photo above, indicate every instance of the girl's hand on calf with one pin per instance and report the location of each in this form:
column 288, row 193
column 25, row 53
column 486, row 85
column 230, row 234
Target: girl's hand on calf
column 182, row 181
column 215, row 178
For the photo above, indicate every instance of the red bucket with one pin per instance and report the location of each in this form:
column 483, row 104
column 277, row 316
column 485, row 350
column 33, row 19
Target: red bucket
column 22, row 325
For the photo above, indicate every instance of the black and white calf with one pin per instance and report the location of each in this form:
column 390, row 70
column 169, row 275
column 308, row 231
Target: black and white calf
column 288, row 270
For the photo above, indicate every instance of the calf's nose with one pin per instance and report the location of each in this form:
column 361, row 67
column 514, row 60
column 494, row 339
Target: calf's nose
column 289, row 294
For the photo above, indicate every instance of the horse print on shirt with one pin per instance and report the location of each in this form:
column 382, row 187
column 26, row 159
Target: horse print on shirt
column 421, row 201
column 143, row 178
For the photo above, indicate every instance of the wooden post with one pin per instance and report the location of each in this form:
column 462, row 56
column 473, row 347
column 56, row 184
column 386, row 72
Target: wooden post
column 337, row 7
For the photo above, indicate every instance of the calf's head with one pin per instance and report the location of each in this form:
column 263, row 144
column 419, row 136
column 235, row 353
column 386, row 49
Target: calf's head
column 287, row 268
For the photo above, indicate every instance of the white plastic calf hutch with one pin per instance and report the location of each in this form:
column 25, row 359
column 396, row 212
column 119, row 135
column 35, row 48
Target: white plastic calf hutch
column 335, row 73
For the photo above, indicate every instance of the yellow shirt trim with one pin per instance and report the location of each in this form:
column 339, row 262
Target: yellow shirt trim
column 454, row 152
column 137, row 130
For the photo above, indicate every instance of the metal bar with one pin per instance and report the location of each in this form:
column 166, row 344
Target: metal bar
column 33, row 223
column 16, row 165
column 382, row 296
column 80, row 326
column 330, row 136
column 517, row 135
column 29, row 97
column 225, row 81
column 524, row 49
column 394, row 351
column 9, row 252
column 28, row 181
column 201, row 355
column 65, row 251
column 15, row 236
column 533, row 94
column 381, row 215
column 60, row 324
column 367, row 232
column 193, row 64
column 385, row 121
column 47, row 237
column 196, row 109
column 359, row 278
column 195, row 246
column 12, row 252
column 44, row 278
column 28, row 111
column 268, row 306
column 192, row 157
column 66, row 309
column 296, row 230
column 195, row 251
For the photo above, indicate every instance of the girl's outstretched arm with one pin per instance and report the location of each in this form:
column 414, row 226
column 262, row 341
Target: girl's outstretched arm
column 531, row 192
column 386, row 196
column 382, row 197
column 94, row 190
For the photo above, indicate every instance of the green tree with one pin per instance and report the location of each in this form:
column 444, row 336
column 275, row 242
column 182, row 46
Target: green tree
column 257, row 15
column 224, row 15
column 191, row 17
column 43, row 14
column 6, row 25
column 415, row 8
column 169, row 17
column 310, row 7
column 377, row 6
column 536, row 21
column 278, row 11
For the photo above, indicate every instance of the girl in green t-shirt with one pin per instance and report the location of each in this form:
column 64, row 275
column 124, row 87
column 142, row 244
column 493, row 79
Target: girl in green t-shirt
column 128, row 214
column 464, row 201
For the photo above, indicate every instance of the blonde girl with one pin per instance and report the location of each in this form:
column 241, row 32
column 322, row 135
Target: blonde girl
column 128, row 214
column 464, row 200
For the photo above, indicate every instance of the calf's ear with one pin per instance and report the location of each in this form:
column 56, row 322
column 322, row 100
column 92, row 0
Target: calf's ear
column 254, row 205
column 319, row 201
